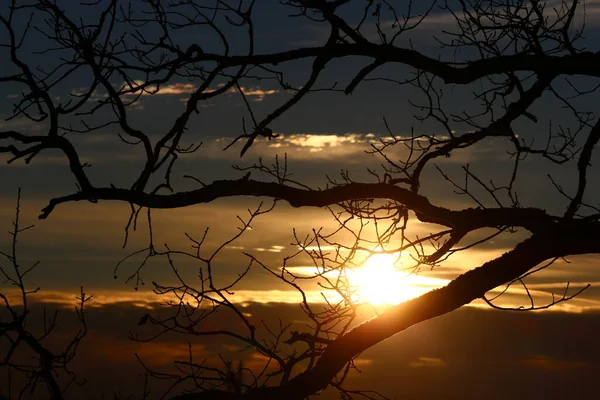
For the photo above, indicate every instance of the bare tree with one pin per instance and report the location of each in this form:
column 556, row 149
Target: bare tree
column 507, row 54
column 28, row 361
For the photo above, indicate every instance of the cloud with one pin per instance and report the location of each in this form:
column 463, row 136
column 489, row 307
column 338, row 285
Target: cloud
column 255, row 94
column 349, row 147
column 320, row 142
column 180, row 88
column 272, row 249
column 546, row 355
column 83, row 241
column 177, row 88
column 146, row 299
column 427, row 362
column 300, row 146
column 412, row 286
column 25, row 124
column 44, row 159
column 96, row 96
column 549, row 364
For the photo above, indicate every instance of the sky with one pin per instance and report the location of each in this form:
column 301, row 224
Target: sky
column 549, row 354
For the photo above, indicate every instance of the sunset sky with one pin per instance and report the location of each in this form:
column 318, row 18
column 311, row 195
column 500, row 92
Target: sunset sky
column 547, row 354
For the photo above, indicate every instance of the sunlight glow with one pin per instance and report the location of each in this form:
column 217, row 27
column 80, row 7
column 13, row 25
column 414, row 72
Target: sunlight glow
column 380, row 282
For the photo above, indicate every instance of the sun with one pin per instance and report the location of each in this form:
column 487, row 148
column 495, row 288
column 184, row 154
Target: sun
column 379, row 282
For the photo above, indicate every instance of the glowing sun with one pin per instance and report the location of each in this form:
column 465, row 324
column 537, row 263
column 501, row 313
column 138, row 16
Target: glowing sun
column 379, row 282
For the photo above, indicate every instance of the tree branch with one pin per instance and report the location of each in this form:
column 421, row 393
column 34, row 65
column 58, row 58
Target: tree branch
column 469, row 219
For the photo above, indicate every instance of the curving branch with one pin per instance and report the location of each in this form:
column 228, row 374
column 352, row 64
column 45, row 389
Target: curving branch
column 469, row 219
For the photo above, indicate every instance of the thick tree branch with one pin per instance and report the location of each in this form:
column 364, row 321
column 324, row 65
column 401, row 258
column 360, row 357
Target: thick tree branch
column 469, row 219
column 463, row 72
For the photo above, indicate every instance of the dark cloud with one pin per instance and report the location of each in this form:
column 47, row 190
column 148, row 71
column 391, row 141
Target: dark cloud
column 467, row 354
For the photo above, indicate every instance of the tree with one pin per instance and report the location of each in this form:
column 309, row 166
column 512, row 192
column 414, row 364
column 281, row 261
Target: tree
column 15, row 328
column 510, row 56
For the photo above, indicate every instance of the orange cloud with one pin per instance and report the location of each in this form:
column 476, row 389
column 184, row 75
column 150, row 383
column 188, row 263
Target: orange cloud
column 300, row 146
column 428, row 362
column 168, row 89
column 549, row 364
column 180, row 88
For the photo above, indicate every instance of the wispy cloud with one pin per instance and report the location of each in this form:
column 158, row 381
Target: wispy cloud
column 301, row 146
column 272, row 249
column 427, row 362
column 180, row 88
column 550, row 364
column 94, row 97
column 22, row 124
column 42, row 159
column 351, row 147
column 257, row 94
column 150, row 300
